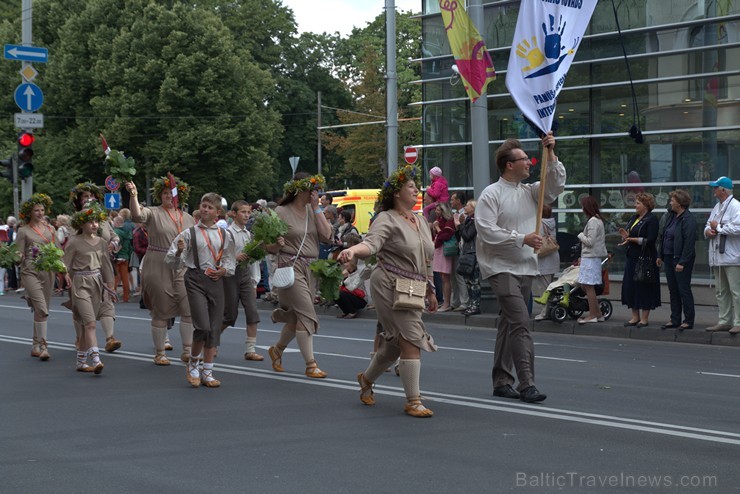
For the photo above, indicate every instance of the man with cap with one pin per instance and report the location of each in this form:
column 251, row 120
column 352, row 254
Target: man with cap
column 723, row 232
column 438, row 191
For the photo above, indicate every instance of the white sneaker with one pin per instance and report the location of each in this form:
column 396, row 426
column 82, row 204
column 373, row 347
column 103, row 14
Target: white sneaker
column 540, row 317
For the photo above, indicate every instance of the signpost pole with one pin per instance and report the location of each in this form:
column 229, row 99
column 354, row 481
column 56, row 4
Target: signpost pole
column 27, row 40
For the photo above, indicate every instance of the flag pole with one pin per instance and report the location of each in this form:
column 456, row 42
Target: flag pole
column 543, row 183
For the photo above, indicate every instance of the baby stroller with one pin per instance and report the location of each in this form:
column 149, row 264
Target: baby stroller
column 559, row 307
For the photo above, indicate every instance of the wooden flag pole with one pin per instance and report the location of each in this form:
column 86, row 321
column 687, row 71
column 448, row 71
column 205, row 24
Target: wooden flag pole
column 543, row 182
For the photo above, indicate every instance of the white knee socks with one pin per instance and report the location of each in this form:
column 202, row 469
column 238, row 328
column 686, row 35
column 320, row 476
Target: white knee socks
column 186, row 333
column 107, row 324
column 305, row 344
column 410, row 370
column 159, row 335
column 251, row 344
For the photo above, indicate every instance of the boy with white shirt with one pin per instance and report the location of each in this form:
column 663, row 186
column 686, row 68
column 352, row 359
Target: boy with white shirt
column 208, row 254
column 242, row 287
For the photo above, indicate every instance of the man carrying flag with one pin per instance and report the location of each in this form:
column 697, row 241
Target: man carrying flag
column 473, row 61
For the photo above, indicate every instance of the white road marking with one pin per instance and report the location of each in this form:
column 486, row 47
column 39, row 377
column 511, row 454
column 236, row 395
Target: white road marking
column 450, row 399
column 717, row 374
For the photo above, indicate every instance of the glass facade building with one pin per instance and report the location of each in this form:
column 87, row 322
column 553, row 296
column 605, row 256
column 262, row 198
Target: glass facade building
column 684, row 61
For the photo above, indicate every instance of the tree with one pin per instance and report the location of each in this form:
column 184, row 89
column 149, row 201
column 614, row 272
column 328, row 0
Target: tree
column 166, row 85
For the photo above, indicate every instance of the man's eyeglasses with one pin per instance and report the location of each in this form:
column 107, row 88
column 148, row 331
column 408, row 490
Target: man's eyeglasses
column 519, row 159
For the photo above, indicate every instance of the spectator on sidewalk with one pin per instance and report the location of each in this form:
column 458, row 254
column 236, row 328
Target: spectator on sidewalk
column 723, row 231
column 676, row 252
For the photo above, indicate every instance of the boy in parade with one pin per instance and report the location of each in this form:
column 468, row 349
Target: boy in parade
column 207, row 253
column 242, row 287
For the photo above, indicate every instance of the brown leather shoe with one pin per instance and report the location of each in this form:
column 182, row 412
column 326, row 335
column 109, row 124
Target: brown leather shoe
column 312, row 370
column 112, row 344
column 253, row 356
column 43, row 351
column 366, row 390
column 416, row 409
column 161, row 359
column 194, row 381
column 277, row 359
column 719, row 327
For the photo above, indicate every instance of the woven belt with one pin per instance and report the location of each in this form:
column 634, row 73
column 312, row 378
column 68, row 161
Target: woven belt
column 154, row 248
column 95, row 272
column 402, row 272
column 294, row 259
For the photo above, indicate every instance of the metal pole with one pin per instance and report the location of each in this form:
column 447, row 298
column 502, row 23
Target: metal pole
column 318, row 133
column 391, row 86
column 27, row 40
column 479, row 118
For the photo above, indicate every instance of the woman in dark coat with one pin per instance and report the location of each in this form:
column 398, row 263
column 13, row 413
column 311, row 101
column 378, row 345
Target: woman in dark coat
column 676, row 251
column 640, row 235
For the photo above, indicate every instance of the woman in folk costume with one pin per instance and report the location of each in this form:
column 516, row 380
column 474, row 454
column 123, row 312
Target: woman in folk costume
column 403, row 244
column 307, row 225
column 163, row 289
column 80, row 196
column 35, row 233
column 90, row 276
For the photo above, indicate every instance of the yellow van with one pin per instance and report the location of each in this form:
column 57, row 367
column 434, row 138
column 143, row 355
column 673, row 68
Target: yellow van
column 361, row 203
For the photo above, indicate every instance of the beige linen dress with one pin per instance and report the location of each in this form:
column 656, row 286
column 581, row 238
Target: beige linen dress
column 89, row 300
column 38, row 284
column 396, row 242
column 163, row 289
column 298, row 299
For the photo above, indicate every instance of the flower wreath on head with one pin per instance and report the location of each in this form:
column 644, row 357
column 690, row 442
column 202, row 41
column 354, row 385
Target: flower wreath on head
column 162, row 183
column 27, row 206
column 81, row 187
column 293, row 187
column 91, row 211
column 397, row 180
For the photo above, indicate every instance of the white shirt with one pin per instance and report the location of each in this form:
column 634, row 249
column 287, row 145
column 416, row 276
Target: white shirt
column 242, row 237
column 505, row 214
column 727, row 214
column 220, row 241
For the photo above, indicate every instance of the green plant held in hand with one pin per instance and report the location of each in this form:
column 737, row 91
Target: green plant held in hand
column 267, row 227
column 49, row 259
column 255, row 252
column 330, row 274
column 9, row 256
column 120, row 167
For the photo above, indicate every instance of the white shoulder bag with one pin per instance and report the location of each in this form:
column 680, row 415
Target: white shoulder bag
column 285, row 277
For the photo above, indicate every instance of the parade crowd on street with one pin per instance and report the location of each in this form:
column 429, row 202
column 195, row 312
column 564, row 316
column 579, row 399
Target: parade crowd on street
column 195, row 270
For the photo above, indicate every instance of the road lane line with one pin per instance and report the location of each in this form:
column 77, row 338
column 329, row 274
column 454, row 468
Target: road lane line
column 450, row 399
column 717, row 374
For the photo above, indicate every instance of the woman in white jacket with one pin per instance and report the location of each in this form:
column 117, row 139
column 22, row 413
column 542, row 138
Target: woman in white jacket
column 593, row 241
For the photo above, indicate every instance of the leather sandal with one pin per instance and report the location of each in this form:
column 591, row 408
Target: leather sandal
column 416, row 409
column 84, row 367
column 366, row 390
column 277, row 359
column 207, row 379
column 43, row 351
column 112, row 344
column 312, row 370
column 194, row 381
column 35, row 348
column 253, row 356
column 161, row 359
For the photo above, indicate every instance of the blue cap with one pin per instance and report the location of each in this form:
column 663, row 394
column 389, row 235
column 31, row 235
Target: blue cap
column 723, row 182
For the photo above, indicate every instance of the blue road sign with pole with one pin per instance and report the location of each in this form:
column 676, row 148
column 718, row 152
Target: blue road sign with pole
column 29, row 97
column 26, row 53
column 113, row 200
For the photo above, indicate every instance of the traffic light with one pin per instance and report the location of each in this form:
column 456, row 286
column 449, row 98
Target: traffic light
column 7, row 169
column 25, row 154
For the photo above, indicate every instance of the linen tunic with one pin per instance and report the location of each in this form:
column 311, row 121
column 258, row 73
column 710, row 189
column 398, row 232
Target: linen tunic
column 38, row 284
column 89, row 300
column 298, row 299
column 397, row 243
column 163, row 289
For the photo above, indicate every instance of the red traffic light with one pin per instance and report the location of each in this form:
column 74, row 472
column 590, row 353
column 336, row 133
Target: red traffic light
column 26, row 139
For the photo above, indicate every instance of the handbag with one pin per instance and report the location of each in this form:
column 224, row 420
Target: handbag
column 409, row 294
column 466, row 264
column 450, row 247
column 645, row 270
column 284, row 277
column 549, row 244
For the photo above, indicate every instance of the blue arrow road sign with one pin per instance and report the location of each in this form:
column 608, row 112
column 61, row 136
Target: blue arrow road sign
column 26, row 53
column 113, row 201
column 29, row 97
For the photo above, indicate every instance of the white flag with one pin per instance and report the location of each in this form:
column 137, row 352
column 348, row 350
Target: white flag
column 546, row 39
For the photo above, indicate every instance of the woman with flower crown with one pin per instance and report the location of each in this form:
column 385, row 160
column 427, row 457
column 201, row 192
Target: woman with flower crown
column 35, row 233
column 90, row 276
column 404, row 249
column 79, row 197
column 307, row 226
column 163, row 289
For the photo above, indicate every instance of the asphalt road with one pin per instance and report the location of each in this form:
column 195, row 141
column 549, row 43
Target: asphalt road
column 621, row 416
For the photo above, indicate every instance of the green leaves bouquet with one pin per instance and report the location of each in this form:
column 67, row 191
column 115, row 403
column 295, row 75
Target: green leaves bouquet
column 329, row 273
column 9, row 255
column 266, row 229
column 49, row 258
column 117, row 164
